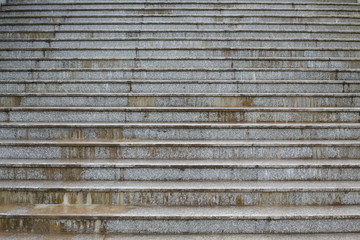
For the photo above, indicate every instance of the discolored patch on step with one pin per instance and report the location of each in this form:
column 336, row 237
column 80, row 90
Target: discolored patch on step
column 154, row 12
column 140, row 101
column 78, row 152
column 38, row 35
column 13, row 101
column 49, row 210
column 233, row 102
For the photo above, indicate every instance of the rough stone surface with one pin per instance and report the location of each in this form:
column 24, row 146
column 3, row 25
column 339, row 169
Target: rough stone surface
column 166, row 119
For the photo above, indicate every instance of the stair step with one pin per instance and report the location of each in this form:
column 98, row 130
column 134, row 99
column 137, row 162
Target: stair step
column 188, row 193
column 179, row 170
column 181, row 63
column 184, row 164
column 180, row 131
column 180, row 73
column 219, row 12
column 186, row 149
column 180, row 5
column 130, row 42
column 204, row 34
column 169, row 1
column 306, row 26
column 178, row 86
column 74, row 236
column 231, row 52
column 150, row 186
column 181, row 99
column 244, row 115
column 233, row 19
column 115, row 219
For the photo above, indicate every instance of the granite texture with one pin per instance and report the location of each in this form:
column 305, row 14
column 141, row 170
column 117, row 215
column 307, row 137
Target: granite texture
column 180, row 119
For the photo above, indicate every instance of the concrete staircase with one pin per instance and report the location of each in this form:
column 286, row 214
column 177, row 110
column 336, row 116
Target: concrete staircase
column 180, row 119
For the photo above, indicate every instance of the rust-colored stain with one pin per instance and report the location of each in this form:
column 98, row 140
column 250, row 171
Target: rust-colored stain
column 240, row 201
column 218, row 19
column 13, row 101
column 234, row 102
column 77, row 209
column 142, row 101
column 227, row 52
column 154, row 12
column 37, row 35
column 248, row 102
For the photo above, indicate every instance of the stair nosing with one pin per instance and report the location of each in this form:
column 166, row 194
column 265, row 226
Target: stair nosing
column 183, row 143
column 181, row 58
column 178, row 15
column 184, row 213
column 48, row 40
column 183, row 2
column 75, row 81
column 193, row 164
column 59, row 24
column 181, row 125
column 184, row 30
column 175, row 186
column 287, row 109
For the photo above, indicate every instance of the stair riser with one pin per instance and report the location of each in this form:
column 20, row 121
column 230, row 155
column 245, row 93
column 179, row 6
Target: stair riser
column 152, row 226
column 162, row 53
column 175, row 74
column 179, row 63
column 91, row 35
column 170, row 1
column 177, row 43
column 164, row 34
column 179, row 152
column 169, row 174
column 179, row 87
column 200, row 12
column 177, row 6
column 181, row 101
column 118, row 133
column 191, row 18
column 324, row 236
column 183, row 198
column 178, row 116
column 179, row 26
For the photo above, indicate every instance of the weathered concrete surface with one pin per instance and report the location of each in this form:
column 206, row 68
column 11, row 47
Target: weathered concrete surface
column 69, row 236
column 196, row 118
column 97, row 218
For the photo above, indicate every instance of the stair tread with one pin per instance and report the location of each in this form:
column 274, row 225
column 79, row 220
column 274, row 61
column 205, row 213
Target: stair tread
column 165, row 109
column 174, row 22
column 182, row 58
column 188, row 30
column 180, row 15
column 79, row 94
column 205, row 39
column 140, row 81
column 183, row 48
column 72, row 236
column 181, row 69
column 184, row 8
column 184, row 143
column 179, row 3
column 173, row 213
column 228, row 186
column 150, row 163
column 180, row 125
